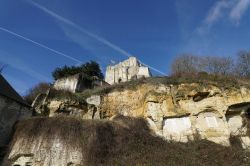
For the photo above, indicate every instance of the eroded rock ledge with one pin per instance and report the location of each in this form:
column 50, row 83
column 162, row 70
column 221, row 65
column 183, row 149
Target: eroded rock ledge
column 175, row 112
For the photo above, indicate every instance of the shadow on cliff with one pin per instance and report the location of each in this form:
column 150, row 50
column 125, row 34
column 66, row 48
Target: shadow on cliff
column 122, row 141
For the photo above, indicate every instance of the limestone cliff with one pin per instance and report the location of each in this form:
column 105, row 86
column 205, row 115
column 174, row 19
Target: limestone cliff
column 175, row 111
column 185, row 112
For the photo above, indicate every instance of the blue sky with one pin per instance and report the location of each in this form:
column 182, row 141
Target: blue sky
column 38, row 36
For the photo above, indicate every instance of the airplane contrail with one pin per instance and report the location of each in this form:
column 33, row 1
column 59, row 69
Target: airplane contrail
column 40, row 45
column 96, row 37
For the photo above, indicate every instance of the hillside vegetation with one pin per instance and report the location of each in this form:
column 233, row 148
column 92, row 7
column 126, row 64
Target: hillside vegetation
column 123, row 141
column 202, row 79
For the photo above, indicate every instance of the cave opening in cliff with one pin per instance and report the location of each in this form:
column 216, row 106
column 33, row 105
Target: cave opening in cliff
column 248, row 113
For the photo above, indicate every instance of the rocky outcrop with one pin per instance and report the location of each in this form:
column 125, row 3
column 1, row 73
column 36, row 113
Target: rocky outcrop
column 72, row 139
column 178, row 112
column 182, row 112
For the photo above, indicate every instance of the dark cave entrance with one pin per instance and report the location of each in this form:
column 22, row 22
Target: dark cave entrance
column 248, row 113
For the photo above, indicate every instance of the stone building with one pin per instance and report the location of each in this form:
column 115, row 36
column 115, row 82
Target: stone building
column 125, row 71
column 12, row 109
column 77, row 83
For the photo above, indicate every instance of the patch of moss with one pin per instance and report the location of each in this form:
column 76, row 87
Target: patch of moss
column 66, row 95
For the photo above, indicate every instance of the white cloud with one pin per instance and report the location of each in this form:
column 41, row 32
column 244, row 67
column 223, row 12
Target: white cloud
column 232, row 10
column 217, row 11
column 238, row 10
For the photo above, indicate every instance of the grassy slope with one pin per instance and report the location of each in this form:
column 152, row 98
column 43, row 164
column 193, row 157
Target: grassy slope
column 202, row 79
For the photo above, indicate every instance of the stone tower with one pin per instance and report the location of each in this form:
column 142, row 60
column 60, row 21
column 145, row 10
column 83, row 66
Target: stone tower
column 125, row 71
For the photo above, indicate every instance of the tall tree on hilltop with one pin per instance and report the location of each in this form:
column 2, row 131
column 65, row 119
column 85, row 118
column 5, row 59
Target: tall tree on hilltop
column 90, row 69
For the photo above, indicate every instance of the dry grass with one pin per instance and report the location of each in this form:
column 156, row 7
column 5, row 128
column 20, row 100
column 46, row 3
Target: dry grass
column 200, row 78
column 125, row 141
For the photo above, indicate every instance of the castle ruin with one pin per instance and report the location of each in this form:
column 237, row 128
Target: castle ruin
column 126, row 71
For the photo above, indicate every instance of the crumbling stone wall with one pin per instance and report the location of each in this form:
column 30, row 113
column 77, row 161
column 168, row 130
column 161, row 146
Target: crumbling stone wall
column 68, row 83
column 125, row 71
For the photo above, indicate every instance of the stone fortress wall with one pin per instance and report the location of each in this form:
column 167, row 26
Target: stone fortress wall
column 122, row 72
column 68, row 83
column 125, row 71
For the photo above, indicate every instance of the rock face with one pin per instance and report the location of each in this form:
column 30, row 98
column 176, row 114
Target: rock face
column 69, row 141
column 125, row 71
column 68, row 144
column 182, row 112
column 172, row 112
column 178, row 112
column 77, row 83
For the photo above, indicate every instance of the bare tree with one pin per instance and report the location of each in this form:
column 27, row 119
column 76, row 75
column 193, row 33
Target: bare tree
column 186, row 64
column 36, row 90
column 218, row 65
column 191, row 64
column 242, row 68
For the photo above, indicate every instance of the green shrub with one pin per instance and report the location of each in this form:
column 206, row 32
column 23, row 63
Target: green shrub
column 90, row 69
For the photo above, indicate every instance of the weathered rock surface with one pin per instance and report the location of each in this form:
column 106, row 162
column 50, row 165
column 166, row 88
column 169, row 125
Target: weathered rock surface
column 180, row 112
column 59, row 141
column 176, row 112
column 121, row 140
